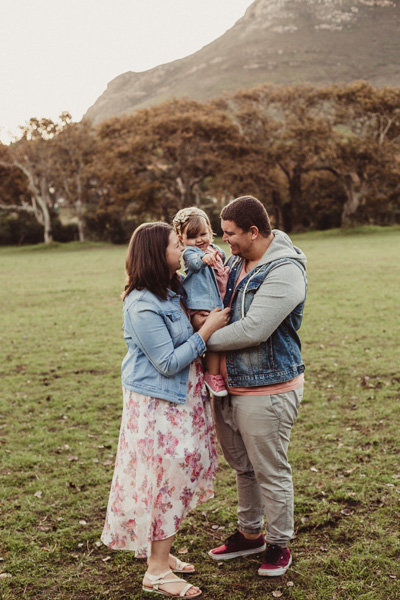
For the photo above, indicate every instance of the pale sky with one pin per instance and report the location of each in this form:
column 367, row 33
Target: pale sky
column 59, row 55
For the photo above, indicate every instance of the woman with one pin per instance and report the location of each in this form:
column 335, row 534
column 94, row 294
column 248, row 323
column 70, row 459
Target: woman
column 166, row 456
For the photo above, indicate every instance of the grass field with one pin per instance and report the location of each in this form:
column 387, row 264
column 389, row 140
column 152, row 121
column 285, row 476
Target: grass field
column 61, row 349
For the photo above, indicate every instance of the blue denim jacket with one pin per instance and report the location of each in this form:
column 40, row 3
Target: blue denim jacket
column 200, row 283
column 276, row 360
column 161, row 346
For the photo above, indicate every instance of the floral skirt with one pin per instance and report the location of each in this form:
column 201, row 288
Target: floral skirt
column 165, row 465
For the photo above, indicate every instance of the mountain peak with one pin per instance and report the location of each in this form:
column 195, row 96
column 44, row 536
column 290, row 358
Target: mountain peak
column 278, row 41
column 287, row 16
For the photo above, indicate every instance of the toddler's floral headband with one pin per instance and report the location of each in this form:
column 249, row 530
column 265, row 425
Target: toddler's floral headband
column 183, row 216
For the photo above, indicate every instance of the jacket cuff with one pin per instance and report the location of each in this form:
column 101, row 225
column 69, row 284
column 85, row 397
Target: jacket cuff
column 199, row 343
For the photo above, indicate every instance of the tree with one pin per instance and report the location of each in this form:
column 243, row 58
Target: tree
column 303, row 141
column 73, row 147
column 53, row 157
column 253, row 172
column 290, row 132
column 170, row 154
column 14, row 194
column 368, row 121
column 31, row 154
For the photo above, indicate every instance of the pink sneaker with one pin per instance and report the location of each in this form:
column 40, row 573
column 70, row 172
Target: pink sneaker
column 276, row 562
column 215, row 384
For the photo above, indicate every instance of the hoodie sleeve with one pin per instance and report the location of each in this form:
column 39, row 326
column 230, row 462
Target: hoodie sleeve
column 278, row 295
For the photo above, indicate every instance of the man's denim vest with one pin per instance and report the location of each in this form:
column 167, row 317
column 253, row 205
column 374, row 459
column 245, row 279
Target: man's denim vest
column 276, row 360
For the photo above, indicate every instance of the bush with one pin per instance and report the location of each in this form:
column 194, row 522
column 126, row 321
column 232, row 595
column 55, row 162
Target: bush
column 323, row 202
column 102, row 225
column 17, row 229
column 381, row 208
column 64, row 233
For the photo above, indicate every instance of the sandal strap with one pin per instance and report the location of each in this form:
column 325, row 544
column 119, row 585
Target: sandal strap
column 180, row 564
column 158, row 580
column 185, row 589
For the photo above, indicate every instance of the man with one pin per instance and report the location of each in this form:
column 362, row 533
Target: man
column 263, row 370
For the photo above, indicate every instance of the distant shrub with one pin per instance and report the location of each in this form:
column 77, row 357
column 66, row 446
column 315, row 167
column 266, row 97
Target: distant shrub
column 64, row 233
column 107, row 227
column 380, row 208
column 21, row 228
column 17, row 229
column 323, row 202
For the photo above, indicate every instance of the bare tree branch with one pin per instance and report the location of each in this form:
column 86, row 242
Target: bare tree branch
column 17, row 207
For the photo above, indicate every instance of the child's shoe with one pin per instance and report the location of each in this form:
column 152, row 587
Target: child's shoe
column 215, row 384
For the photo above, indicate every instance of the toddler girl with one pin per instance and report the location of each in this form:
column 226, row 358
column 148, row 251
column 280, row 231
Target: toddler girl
column 206, row 278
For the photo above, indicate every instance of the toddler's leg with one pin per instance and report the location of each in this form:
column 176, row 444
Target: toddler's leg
column 212, row 377
column 212, row 361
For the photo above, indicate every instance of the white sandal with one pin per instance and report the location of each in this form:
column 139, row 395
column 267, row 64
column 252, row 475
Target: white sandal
column 158, row 580
column 180, row 567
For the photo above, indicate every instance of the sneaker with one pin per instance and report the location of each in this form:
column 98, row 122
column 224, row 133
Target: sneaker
column 215, row 384
column 277, row 561
column 237, row 545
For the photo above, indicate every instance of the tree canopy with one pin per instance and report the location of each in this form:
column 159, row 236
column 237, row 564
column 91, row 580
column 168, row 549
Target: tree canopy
column 316, row 157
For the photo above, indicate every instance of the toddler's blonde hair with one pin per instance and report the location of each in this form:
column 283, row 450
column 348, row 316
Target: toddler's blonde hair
column 190, row 220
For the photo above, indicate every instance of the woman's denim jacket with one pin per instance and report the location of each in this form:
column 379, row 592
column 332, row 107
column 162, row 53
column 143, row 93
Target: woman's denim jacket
column 200, row 283
column 161, row 346
column 276, row 360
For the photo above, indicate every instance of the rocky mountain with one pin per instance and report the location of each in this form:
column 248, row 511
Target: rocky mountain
column 278, row 41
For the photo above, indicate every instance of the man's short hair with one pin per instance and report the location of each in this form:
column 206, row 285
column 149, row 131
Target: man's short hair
column 246, row 212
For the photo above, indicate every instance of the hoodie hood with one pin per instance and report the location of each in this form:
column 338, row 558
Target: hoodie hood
column 282, row 247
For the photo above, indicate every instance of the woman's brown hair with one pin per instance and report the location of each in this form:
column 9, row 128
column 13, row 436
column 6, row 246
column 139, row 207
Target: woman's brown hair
column 146, row 261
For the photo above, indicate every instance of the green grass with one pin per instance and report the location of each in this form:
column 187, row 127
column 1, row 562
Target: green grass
column 61, row 348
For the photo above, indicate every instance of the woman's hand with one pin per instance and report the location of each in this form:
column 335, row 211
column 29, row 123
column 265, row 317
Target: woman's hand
column 216, row 319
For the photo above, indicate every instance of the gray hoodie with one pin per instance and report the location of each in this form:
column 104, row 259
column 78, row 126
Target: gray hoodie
column 283, row 289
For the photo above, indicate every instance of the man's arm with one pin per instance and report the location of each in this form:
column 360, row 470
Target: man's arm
column 283, row 289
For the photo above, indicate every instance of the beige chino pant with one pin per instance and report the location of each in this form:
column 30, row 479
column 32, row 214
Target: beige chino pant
column 254, row 433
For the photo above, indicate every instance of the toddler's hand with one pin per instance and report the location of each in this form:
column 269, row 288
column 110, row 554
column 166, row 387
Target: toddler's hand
column 211, row 259
column 198, row 319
